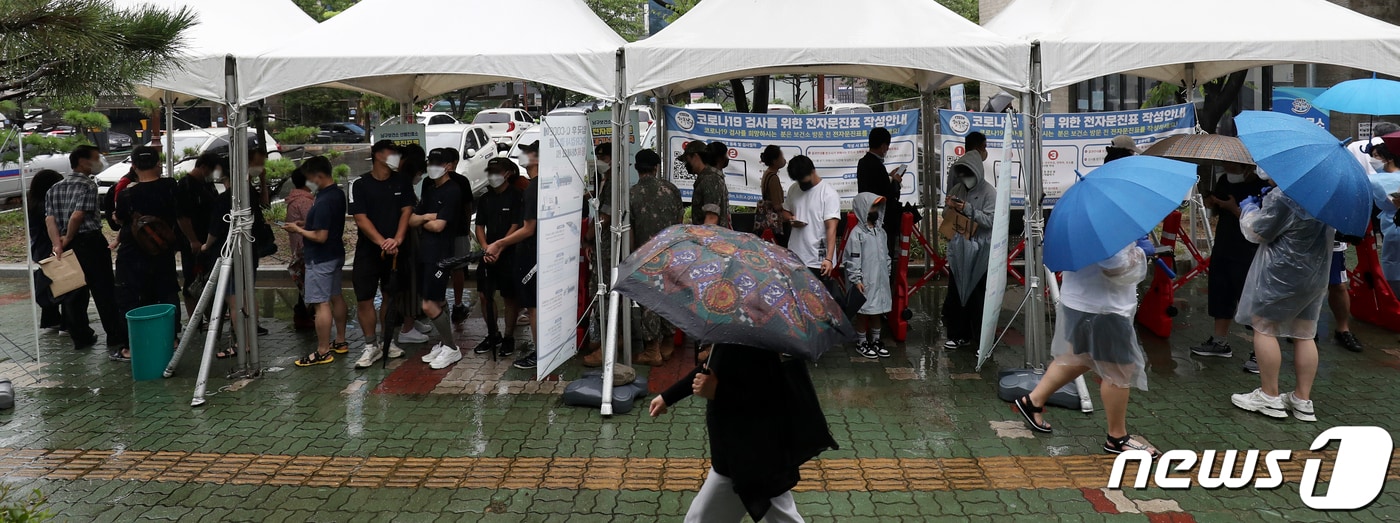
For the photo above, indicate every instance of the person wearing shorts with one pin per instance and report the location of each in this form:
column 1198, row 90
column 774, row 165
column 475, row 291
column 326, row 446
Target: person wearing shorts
column 380, row 202
column 1339, row 299
column 438, row 214
column 1094, row 331
column 495, row 220
column 324, row 253
column 523, row 237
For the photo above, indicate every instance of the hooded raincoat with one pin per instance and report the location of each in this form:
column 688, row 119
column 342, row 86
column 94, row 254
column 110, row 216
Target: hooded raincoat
column 867, row 258
column 1287, row 282
column 981, row 204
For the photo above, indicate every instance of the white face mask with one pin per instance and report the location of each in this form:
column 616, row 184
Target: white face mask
column 392, row 161
column 254, row 172
column 1377, row 165
column 1263, row 175
column 969, row 182
column 217, row 175
column 495, row 180
column 311, row 186
column 436, row 171
column 1234, row 178
column 525, row 161
column 102, row 161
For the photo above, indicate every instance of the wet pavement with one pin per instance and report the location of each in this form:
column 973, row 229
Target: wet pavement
column 922, row 435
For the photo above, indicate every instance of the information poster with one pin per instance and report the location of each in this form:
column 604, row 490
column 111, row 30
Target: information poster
column 835, row 143
column 1073, row 145
column 564, row 147
column 1000, row 243
column 402, row 134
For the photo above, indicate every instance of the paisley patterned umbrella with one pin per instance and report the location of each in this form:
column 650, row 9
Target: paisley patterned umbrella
column 721, row 286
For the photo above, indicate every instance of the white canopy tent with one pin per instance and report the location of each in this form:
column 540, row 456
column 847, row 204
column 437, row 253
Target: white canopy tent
column 1180, row 42
column 224, row 29
column 1084, row 39
column 917, row 43
column 374, row 47
column 908, row 42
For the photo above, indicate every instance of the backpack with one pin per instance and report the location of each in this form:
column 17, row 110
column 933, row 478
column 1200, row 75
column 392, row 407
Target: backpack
column 153, row 235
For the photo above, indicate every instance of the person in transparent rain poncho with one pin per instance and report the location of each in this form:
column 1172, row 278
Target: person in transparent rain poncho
column 1283, row 297
column 1094, row 331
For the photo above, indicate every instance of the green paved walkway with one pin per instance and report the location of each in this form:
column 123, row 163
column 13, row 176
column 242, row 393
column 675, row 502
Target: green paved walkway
column 923, row 438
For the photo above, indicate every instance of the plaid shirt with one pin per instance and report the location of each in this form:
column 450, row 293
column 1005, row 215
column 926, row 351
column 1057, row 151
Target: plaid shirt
column 75, row 193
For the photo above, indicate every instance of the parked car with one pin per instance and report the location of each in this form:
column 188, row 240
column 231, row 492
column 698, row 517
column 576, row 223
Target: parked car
column 504, row 125
column 119, row 141
column 530, row 135
column 847, row 109
column 780, row 109
column 197, row 141
column 472, row 142
column 425, row 118
column 705, row 106
column 340, row 132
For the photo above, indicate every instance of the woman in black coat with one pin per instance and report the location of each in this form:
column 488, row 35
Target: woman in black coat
column 764, row 423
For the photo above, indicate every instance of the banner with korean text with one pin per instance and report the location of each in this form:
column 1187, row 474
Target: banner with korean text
column 835, row 143
column 564, row 149
column 1073, row 145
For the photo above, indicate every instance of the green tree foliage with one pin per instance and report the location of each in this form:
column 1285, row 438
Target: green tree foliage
column 296, row 135
column 624, row 17
column 323, row 10
column 68, row 48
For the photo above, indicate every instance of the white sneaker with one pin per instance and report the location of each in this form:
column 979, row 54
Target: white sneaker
column 394, row 350
column 413, row 336
column 422, row 326
column 432, row 355
column 1302, row 409
column 449, row 356
column 371, row 354
column 1259, row 402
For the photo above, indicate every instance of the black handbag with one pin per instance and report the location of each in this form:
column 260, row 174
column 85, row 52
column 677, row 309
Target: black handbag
column 43, row 295
column 264, row 243
column 853, row 302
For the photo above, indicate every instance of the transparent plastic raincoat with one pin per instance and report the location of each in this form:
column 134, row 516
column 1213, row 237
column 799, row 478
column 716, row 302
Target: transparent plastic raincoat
column 1094, row 321
column 1287, row 282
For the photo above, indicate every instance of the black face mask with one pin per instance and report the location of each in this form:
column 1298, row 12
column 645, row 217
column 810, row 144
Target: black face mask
column 870, row 218
column 805, row 185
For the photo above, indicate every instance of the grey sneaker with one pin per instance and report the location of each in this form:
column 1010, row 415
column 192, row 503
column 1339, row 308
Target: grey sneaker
column 1257, row 401
column 1302, row 409
column 1252, row 365
column 1213, row 347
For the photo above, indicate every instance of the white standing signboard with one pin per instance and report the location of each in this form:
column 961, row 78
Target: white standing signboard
column 996, row 273
column 563, row 155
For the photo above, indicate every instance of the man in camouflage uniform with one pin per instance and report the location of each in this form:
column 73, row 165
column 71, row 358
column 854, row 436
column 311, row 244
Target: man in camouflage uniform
column 709, row 184
column 656, row 205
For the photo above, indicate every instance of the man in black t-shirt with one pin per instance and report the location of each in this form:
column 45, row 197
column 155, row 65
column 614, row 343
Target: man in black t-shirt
column 381, row 202
column 1230, row 257
column 145, row 278
column 523, row 237
column 324, row 253
column 439, row 215
column 447, row 157
column 498, row 208
column 195, row 194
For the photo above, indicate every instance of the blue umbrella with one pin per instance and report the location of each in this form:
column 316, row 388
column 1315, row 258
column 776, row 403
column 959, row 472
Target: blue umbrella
column 1373, row 96
column 1112, row 206
column 1311, row 166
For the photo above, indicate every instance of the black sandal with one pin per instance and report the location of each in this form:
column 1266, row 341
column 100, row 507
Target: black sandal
column 340, row 347
column 226, row 353
column 1029, row 410
column 1126, row 443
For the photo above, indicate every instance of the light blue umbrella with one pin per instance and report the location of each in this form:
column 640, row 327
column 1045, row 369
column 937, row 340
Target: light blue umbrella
column 1112, row 206
column 1311, row 166
column 1373, row 96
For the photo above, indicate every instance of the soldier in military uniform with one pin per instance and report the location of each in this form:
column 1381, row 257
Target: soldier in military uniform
column 709, row 185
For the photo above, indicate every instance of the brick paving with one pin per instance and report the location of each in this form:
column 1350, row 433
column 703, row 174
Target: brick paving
column 922, row 437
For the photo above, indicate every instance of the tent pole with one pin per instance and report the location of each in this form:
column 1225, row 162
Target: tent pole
column 1017, row 382
column 28, row 260
column 607, row 269
column 658, row 117
column 245, row 333
column 929, row 121
column 621, row 187
column 168, row 102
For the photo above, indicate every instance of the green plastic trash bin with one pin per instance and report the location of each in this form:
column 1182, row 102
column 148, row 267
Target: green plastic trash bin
column 152, row 333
